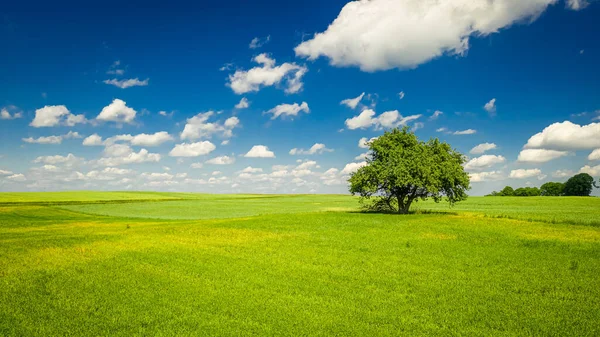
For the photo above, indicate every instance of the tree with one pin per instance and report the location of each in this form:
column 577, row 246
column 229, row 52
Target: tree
column 401, row 169
column 580, row 185
column 552, row 189
column 507, row 192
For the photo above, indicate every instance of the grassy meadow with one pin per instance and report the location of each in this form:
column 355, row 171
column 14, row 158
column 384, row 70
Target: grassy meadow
column 166, row 264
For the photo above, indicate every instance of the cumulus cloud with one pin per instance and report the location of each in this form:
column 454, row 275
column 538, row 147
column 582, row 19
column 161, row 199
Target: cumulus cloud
column 243, row 104
column 54, row 115
column 465, row 132
column 436, row 115
column 258, row 42
column 192, row 149
column 490, row 107
column 593, row 171
column 353, row 167
column 259, row 151
column 595, row 155
column 157, row 176
column 352, row 103
column 523, row 174
column 93, row 140
column 540, row 155
column 563, row 173
column 127, row 83
column 120, row 154
column 68, row 160
column 483, row 162
column 483, row 148
column 388, row 119
column 422, row 31
column 251, row 169
column 155, row 139
column 6, row 114
column 197, row 165
column 266, row 75
column 117, row 112
column 17, row 177
column 363, row 143
column 577, row 4
column 198, row 127
column 44, row 140
column 566, row 136
column 288, row 110
column 223, row 160
column 5, row 173
column 318, row 148
column 485, row 176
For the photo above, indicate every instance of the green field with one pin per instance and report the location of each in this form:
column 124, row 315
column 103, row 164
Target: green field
column 166, row 264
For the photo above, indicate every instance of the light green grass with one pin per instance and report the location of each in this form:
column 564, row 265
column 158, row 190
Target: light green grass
column 320, row 272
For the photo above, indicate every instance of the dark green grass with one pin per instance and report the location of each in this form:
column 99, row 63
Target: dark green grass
column 321, row 273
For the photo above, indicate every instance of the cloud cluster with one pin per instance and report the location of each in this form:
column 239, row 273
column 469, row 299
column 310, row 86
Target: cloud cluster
column 117, row 112
column 421, row 31
column 318, row 148
column 388, row 119
column 5, row 113
column 266, row 75
column 52, row 139
column 260, row 151
column 198, row 127
column 192, row 149
column 54, row 115
column 483, row 162
column 127, row 83
column 523, row 174
column 566, row 136
column 286, row 110
column 352, row 103
column 482, row 148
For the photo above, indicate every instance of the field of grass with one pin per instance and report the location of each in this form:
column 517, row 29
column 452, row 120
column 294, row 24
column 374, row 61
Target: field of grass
column 126, row 264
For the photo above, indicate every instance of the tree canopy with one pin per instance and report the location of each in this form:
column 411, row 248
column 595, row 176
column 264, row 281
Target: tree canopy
column 580, row 185
column 402, row 169
column 552, row 189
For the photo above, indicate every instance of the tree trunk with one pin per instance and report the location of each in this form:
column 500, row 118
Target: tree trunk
column 401, row 206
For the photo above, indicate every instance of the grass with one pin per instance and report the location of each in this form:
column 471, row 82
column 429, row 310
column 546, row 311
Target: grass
column 295, row 265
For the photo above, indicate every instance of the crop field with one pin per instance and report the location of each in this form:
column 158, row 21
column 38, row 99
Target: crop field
column 167, row 264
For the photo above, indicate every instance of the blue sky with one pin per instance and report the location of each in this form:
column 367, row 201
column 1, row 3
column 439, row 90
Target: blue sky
column 157, row 87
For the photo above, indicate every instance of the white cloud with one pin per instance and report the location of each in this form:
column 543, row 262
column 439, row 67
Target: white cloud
column 259, row 151
column 155, row 139
column 5, row 173
column 388, row 119
column 567, row 136
column 401, row 94
column 421, row 31
column 117, row 112
column 223, row 160
column 93, row 140
column 53, row 115
column 123, row 155
column 17, row 177
column 577, row 4
column 251, row 169
column 482, row 148
column 157, row 176
column 44, row 140
column 198, row 127
column 197, row 165
column 193, row 149
column 5, row 114
column 465, row 132
column 484, row 161
column 523, row 174
column 124, row 84
column 444, row 129
column 352, row 103
column 68, row 160
column 243, row 104
column 267, row 75
column 353, row 167
column 318, row 148
column 595, row 155
column 362, row 156
column 258, row 42
column 490, row 107
column 114, row 69
column 540, row 155
column 593, row 171
column 288, row 110
column 436, row 115
column 563, row 173
column 363, row 142
column 486, row 176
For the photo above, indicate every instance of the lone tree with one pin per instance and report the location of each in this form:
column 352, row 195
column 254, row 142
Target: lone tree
column 401, row 169
column 580, row 185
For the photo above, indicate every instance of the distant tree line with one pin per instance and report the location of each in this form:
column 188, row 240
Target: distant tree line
column 580, row 185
